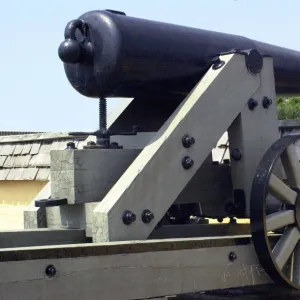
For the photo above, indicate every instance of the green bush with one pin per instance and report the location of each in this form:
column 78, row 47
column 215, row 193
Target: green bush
column 288, row 108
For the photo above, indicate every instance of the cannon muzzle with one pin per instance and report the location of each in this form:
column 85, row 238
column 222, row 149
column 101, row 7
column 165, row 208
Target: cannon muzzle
column 109, row 54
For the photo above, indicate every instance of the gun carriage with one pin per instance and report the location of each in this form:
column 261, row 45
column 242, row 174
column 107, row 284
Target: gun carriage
column 132, row 207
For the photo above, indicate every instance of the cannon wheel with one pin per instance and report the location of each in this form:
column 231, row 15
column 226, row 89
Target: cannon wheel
column 279, row 254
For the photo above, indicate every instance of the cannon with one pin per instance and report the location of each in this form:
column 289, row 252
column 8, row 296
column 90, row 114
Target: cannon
column 109, row 54
column 191, row 185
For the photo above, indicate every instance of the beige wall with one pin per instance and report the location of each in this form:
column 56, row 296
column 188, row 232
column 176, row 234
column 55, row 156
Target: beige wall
column 19, row 192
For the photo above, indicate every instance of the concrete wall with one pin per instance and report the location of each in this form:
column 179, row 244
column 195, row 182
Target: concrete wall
column 19, row 192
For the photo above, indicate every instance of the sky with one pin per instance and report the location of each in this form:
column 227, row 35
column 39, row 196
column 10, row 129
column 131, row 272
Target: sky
column 35, row 94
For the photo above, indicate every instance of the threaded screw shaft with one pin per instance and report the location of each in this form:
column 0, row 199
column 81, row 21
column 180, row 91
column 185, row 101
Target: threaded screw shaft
column 102, row 114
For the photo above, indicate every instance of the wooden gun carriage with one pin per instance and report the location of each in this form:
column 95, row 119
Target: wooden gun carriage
column 127, row 217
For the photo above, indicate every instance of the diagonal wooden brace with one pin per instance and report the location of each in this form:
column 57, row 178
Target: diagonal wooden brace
column 157, row 176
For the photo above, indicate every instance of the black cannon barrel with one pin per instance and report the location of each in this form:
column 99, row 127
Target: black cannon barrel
column 109, row 54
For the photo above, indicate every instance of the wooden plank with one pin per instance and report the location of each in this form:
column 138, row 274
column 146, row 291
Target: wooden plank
column 43, row 174
column 35, row 217
column 289, row 124
column 41, row 237
column 26, row 148
column 35, row 147
column 118, row 276
column 125, row 247
column 18, row 149
column 78, row 176
column 156, row 177
column 199, row 230
column 29, row 173
column 253, row 143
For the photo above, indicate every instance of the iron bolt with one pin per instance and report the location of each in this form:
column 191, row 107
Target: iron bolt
column 187, row 162
column 236, row 154
column 232, row 256
column 147, row 216
column 71, row 146
column 266, row 102
column 252, row 103
column 128, row 217
column 217, row 63
column 50, row 271
column 188, row 141
column 220, row 219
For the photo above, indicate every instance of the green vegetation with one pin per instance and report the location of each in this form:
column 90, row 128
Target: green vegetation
column 288, row 108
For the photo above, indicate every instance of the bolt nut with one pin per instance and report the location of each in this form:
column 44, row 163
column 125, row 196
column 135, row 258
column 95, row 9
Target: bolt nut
column 50, row 271
column 128, row 217
column 147, row 216
column 252, row 103
column 236, row 154
column 266, row 102
column 188, row 141
column 232, row 256
column 187, row 162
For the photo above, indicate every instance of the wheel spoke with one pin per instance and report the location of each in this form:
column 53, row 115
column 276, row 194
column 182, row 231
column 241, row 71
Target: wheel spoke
column 296, row 265
column 285, row 246
column 291, row 166
column 281, row 191
column 280, row 219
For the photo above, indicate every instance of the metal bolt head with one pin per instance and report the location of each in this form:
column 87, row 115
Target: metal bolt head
column 187, row 162
column 188, row 141
column 50, row 271
column 147, row 216
column 71, row 146
column 236, row 154
column 217, row 63
column 252, row 103
column 232, row 256
column 128, row 217
column 266, row 102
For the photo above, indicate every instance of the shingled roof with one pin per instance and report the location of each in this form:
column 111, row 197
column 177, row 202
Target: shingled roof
column 27, row 156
